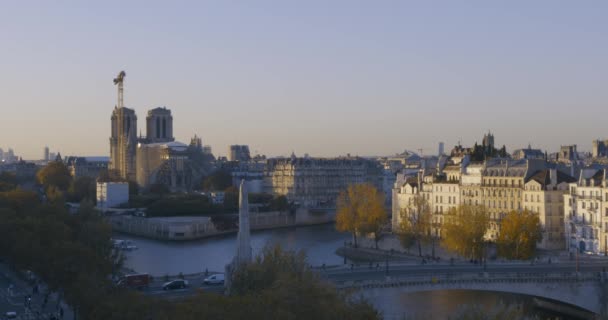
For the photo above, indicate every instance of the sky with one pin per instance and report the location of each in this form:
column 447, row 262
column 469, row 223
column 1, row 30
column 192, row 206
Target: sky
column 325, row 78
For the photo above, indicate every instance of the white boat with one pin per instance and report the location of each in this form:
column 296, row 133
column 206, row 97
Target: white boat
column 123, row 245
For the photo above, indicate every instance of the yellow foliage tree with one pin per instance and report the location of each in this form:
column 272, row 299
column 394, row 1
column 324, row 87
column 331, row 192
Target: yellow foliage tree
column 55, row 174
column 415, row 225
column 519, row 233
column 360, row 209
column 464, row 229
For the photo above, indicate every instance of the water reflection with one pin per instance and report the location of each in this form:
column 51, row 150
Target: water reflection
column 444, row 303
column 161, row 257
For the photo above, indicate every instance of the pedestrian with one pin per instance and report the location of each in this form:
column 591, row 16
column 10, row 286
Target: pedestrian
column 60, row 312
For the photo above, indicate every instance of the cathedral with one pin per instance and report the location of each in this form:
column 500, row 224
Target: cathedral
column 156, row 158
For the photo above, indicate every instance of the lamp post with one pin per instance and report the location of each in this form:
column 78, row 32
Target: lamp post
column 386, row 269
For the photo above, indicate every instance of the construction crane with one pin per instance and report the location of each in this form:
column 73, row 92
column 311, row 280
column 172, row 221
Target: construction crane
column 119, row 81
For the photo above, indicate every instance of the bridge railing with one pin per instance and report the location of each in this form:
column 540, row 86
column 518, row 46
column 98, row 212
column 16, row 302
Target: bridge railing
column 481, row 277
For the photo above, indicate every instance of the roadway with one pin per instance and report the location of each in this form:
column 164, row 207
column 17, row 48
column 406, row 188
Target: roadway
column 194, row 285
column 378, row 272
column 399, row 271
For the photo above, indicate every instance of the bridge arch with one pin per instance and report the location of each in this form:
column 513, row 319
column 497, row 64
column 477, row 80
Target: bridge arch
column 583, row 291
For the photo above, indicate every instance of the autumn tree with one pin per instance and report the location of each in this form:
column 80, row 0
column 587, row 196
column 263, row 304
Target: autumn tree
column 374, row 217
column 360, row 209
column 519, row 233
column 464, row 230
column 415, row 225
column 280, row 285
column 55, row 174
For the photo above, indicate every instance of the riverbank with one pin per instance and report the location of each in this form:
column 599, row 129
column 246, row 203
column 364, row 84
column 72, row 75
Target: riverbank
column 390, row 247
column 195, row 228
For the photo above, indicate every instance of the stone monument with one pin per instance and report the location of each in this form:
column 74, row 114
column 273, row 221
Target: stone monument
column 243, row 239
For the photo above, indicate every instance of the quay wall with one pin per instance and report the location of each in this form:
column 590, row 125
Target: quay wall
column 192, row 228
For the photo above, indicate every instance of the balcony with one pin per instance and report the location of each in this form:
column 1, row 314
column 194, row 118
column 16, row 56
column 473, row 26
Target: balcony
column 588, row 197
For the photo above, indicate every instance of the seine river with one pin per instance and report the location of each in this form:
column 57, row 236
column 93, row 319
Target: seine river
column 320, row 242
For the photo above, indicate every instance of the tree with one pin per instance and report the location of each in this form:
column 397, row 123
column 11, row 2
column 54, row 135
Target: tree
column 55, row 174
column 464, row 230
column 159, row 189
column 231, row 198
column 279, row 285
column 415, row 225
column 279, row 203
column 82, row 188
column 519, row 233
column 8, row 181
column 219, row 180
column 374, row 217
column 359, row 209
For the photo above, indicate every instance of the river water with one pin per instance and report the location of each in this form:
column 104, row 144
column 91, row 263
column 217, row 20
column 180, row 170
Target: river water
column 320, row 242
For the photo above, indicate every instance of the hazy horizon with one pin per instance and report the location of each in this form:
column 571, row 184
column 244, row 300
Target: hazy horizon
column 323, row 78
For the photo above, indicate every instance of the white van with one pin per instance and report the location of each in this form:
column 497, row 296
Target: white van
column 214, row 279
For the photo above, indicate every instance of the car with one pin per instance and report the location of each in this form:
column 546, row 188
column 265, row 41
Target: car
column 175, row 284
column 10, row 315
column 214, row 279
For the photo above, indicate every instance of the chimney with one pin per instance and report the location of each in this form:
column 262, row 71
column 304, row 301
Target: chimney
column 553, row 175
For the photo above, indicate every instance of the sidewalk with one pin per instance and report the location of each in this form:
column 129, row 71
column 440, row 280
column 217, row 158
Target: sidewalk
column 14, row 293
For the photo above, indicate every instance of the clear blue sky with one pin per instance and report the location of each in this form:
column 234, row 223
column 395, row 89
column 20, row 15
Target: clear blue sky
column 318, row 77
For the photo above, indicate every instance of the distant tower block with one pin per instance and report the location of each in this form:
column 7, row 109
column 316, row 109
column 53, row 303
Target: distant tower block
column 440, row 151
column 46, row 154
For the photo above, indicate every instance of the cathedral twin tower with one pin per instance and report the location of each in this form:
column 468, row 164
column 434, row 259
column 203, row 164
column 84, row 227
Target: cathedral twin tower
column 124, row 139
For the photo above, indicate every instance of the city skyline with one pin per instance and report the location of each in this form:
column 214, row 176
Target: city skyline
column 317, row 78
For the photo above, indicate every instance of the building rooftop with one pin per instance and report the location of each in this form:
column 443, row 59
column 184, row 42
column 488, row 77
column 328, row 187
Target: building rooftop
column 544, row 177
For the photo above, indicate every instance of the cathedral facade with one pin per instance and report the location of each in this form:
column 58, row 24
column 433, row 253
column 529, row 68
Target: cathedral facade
column 156, row 158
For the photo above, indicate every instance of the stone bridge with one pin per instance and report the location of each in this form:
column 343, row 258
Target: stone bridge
column 585, row 290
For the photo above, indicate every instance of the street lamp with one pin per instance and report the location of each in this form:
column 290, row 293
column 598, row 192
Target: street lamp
column 386, row 271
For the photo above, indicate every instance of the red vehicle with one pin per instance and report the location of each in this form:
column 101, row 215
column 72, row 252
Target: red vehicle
column 135, row 281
